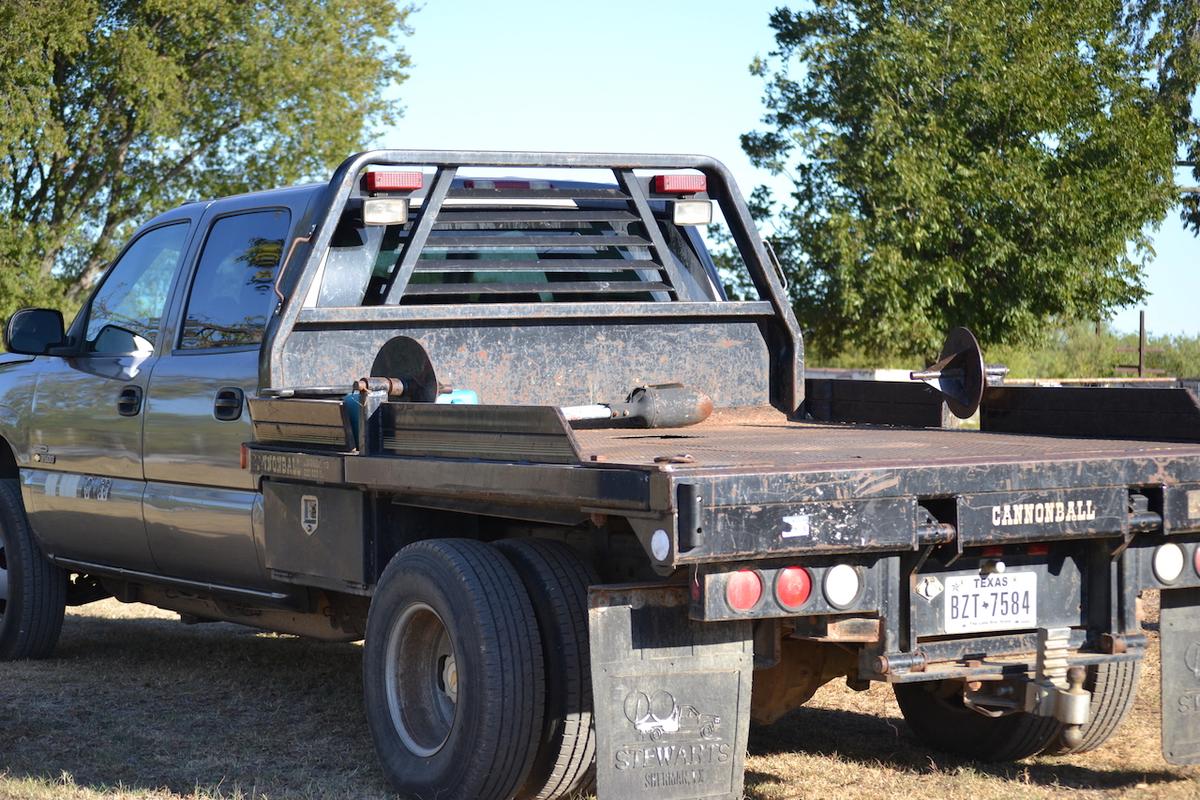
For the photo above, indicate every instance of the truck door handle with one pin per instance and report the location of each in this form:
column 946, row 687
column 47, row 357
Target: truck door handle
column 129, row 401
column 227, row 407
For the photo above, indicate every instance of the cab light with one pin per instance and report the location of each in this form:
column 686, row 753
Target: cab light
column 680, row 184
column 691, row 212
column 842, row 585
column 793, row 585
column 1168, row 562
column 744, row 590
column 388, row 181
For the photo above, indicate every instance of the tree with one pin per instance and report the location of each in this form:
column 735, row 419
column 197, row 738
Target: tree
column 982, row 162
column 118, row 109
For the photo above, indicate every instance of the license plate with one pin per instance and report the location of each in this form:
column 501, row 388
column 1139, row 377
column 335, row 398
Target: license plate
column 990, row 602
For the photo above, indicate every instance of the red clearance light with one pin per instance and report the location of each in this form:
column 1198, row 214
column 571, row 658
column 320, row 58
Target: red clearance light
column 680, row 184
column 1196, row 561
column 380, row 181
column 1042, row 549
column 992, row 552
column 743, row 590
column 793, row 585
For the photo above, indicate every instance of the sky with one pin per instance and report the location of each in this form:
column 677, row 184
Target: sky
column 653, row 76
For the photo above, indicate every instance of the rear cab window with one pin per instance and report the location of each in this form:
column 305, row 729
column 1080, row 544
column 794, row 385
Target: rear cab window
column 232, row 293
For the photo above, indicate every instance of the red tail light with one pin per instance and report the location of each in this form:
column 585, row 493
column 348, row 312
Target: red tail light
column 744, row 590
column 680, row 184
column 380, row 181
column 992, row 552
column 1042, row 549
column 793, row 586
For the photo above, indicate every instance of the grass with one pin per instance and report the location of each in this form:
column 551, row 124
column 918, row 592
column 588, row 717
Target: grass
column 137, row 706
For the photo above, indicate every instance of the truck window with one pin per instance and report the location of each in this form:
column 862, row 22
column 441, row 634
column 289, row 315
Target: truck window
column 125, row 313
column 231, row 293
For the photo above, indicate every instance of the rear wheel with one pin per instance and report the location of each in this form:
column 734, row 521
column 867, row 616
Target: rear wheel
column 33, row 592
column 557, row 581
column 1113, row 687
column 452, row 673
column 935, row 713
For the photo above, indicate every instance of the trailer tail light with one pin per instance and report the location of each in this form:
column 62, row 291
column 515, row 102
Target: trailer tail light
column 1168, row 562
column 744, row 590
column 793, row 586
column 842, row 585
column 680, row 184
column 388, row 181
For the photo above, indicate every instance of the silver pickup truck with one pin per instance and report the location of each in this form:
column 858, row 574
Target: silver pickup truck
column 511, row 430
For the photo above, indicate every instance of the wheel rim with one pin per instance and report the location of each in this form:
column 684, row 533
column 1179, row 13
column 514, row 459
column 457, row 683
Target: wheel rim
column 421, row 679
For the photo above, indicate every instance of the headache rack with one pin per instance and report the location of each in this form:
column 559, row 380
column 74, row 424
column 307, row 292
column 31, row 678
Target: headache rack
column 502, row 254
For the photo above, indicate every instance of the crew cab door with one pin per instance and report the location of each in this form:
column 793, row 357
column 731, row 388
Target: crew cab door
column 200, row 504
column 85, row 492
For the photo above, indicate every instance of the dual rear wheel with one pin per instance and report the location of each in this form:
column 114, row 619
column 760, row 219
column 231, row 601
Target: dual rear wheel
column 936, row 715
column 476, row 670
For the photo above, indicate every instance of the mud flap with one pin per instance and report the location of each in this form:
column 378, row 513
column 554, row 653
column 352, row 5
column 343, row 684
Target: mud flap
column 1180, row 635
column 672, row 696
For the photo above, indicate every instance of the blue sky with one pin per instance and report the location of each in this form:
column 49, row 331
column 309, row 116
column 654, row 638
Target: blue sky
column 650, row 76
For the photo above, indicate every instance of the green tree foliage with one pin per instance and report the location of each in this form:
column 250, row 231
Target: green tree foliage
column 118, row 109
column 982, row 162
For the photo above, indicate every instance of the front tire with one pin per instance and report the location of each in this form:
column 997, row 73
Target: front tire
column 33, row 592
column 936, row 715
column 452, row 673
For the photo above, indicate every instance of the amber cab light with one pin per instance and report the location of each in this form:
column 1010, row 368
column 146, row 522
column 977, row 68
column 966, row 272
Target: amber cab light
column 743, row 590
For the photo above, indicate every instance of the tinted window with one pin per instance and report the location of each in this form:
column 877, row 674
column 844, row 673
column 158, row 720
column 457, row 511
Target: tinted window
column 232, row 293
column 125, row 313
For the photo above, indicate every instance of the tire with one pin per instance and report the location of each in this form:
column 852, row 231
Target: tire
column 1114, row 688
column 452, row 673
column 33, row 592
column 936, row 715
column 557, row 581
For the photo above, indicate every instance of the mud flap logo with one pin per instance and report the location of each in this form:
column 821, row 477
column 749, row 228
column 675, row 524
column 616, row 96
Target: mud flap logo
column 1191, row 659
column 310, row 511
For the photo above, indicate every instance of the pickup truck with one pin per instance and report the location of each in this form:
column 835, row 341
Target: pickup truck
column 583, row 508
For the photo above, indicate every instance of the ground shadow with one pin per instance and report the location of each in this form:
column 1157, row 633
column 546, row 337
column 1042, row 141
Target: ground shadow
column 212, row 709
column 876, row 740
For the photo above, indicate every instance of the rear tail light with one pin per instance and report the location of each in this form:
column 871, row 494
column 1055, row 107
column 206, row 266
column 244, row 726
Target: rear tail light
column 744, row 590
column 680, row 184
column 793, row 585
column 389, row 181
column 842, row 585
column 1168, row 562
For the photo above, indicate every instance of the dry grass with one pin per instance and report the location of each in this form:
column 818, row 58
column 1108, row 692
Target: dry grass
column 137, row 706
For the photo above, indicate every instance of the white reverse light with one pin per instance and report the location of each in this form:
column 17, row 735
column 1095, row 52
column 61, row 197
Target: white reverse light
column 1168, row 562
column 660, row 545
column 841, row 585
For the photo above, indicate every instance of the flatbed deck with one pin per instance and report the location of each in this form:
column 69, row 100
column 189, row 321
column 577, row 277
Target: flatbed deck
column 762, row 438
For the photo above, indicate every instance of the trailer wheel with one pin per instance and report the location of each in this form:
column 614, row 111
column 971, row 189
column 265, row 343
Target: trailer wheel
column 936, row 715
column 1113, row 687
column 557, row 581
column 452, row 673
column 33, row 592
